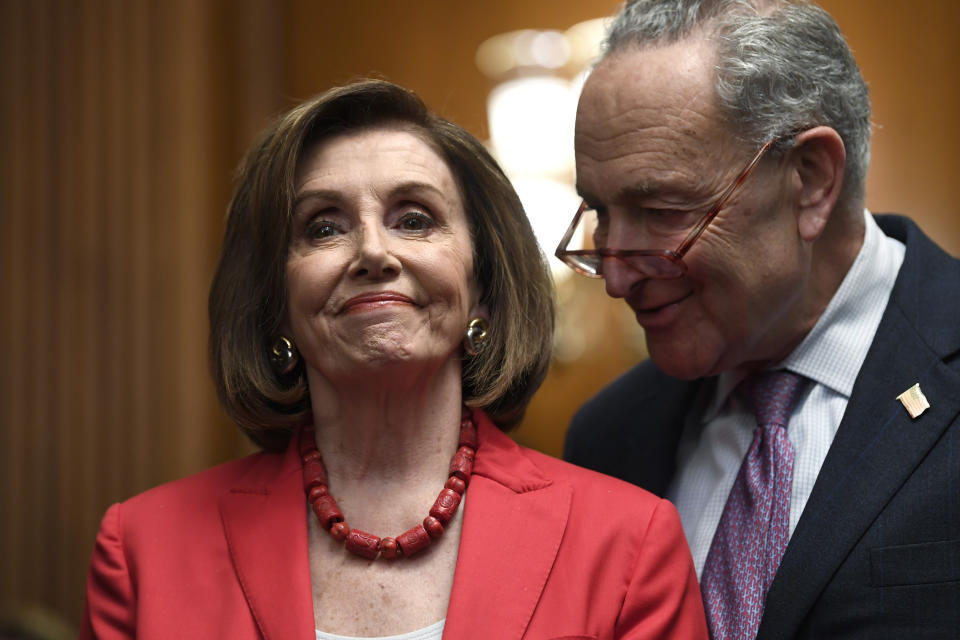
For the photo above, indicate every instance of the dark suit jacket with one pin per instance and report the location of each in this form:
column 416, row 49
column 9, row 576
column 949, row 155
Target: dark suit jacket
column 548, row 550
column 876, row 553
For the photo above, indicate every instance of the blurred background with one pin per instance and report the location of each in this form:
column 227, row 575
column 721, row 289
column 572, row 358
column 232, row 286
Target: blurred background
column 122, row 123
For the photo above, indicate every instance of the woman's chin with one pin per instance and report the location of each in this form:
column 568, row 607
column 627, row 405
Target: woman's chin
column 379, row 361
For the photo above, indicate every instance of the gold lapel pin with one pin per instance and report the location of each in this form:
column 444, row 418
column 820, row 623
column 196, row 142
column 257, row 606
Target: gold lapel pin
column 914, row 401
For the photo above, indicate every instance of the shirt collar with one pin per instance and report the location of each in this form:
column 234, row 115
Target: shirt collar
column 833, row 351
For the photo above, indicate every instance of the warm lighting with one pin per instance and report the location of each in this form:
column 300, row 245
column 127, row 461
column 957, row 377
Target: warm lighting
column 531, row 113
column 531, row 125
column 584, row 40
column 503, row 54
column 546, row 202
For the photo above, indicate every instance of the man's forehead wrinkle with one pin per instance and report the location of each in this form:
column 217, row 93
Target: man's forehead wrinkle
column 634, row 120
column 598, row 126
column 699, row 104
column 650, row 134
column 642, row 145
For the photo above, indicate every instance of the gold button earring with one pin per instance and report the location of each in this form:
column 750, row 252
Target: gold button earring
column 284, row 356
column 476, row 335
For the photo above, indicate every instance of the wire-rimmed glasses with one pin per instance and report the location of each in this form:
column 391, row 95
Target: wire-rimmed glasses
column 652, row 263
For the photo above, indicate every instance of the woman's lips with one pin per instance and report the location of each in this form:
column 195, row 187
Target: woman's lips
column 379, row 299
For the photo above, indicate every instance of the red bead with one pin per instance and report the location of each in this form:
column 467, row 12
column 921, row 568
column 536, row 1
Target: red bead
column 313, row 474
column 340, row 531
column 462, row 463
column 389, row 548
column 410, row 542
column 316, row 491
column 455, row 484
column 363, row 544
column 468, row 434
column 433, row 526
column 414, row 540
column 327, row 511
column 445, row 505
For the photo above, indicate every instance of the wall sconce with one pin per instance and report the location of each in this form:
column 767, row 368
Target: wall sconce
column 531, row 111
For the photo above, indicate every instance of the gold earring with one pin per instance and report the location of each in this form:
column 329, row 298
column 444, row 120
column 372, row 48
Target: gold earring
column 284, row 356
column 477, row 333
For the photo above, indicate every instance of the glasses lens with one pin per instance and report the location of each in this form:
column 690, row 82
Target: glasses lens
column 584, row 263
column 661, row 265
column 651, row 266
column 645, row 230
column 656, row 234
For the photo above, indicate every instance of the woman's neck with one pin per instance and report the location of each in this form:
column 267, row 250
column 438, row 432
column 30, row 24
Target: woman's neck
column 386, row 442
column 388, row 427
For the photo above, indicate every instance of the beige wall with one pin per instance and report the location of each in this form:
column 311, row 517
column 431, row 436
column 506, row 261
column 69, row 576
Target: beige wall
column 121, row 124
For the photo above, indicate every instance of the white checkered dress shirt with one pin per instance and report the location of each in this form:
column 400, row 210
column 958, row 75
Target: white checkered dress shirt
column 714, row 443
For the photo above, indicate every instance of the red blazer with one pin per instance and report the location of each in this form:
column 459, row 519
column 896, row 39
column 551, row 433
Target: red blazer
column 548, row 550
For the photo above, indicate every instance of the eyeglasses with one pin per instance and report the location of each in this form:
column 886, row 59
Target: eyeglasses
column 652, row 263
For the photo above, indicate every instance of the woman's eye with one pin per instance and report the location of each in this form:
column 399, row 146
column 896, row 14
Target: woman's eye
column 319, row 229
column 415, row 221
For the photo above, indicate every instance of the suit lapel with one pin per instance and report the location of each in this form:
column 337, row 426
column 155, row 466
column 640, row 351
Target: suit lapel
column 633, row 427
column 514, row 519
column 655, row 457
column 877, row 446
column 264, row 520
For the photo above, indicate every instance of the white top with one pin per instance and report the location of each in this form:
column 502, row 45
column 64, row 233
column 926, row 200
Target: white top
column 713, row 445
column 433, row 632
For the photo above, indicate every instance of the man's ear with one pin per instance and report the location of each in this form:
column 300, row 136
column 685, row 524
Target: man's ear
column 819, row 160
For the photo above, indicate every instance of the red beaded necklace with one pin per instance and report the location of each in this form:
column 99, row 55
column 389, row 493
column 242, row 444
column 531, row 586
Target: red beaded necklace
column 410, row 542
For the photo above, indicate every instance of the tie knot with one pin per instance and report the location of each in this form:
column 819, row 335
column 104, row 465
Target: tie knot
column 772, row 395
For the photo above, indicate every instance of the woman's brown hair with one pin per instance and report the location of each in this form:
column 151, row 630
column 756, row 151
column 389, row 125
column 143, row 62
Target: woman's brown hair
column 248, row 296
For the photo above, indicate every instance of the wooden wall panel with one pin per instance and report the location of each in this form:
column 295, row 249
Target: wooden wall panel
column 909, row 55
column 122, row 122
column 427, row 45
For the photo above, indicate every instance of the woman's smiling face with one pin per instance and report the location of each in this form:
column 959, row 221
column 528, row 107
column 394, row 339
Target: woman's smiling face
column 380, row 264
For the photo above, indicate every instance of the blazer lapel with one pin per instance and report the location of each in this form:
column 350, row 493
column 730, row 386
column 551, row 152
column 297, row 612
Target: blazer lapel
column 264, row 520
column 877, row 446
column 514, row 519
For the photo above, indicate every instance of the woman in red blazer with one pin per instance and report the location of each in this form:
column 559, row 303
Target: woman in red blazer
column 378, row 276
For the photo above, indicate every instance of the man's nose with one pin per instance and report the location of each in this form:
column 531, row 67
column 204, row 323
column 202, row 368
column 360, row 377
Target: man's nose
column 619, row 277
column 622, row 233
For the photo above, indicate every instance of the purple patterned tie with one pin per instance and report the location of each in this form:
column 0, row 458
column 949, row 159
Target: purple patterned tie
column 755, row 525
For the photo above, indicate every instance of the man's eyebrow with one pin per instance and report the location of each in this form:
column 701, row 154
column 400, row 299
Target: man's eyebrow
column 629, row 192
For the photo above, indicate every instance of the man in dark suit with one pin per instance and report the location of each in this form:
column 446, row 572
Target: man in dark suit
column 801, row 404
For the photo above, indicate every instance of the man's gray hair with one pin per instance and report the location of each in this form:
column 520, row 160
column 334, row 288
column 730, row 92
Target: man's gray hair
column 783, row 66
